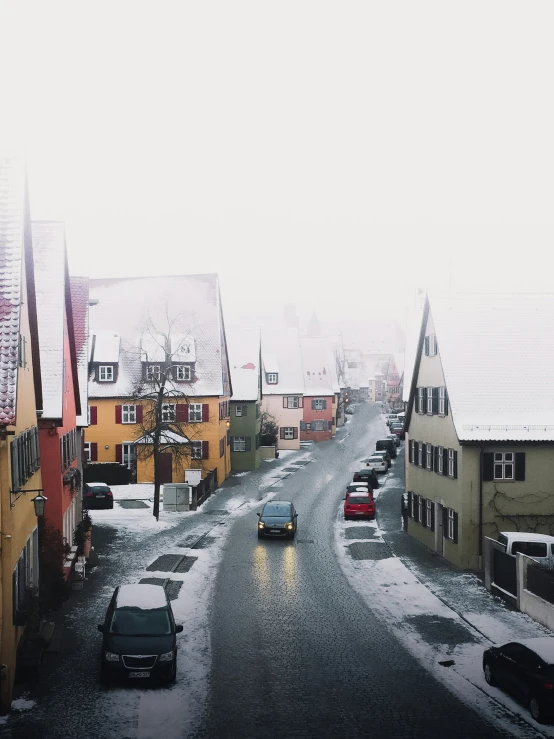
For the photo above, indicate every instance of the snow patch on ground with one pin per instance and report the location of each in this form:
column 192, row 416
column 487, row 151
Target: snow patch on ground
column 241, row 474
column 22, row 704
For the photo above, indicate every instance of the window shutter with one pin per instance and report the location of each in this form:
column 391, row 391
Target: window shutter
column 417, row 498
column 181, row 413
column 295, row 432
column 436, row 459
column 423, row 459
column 423, row 521
column 94, row 452
column 426, row 346
column 302, row 426
column 435, row 400
column 119, row 452
column 445, row 402
column 410, row 496
column 282, row 432
column 93, row 415
column 433, row 517
column 301, row 402
column 205, row 414
column 416, row 452
column 444, row 461
column 488, row 466
column 118, row 414
column 324, row 404
column 411, row 451
column 520, row 466
column 455, row 528
column 244, row 410
column 205, row 450
column 313, row 404
column 445, row 523
column 248, row 444
column 455, row 475
column 139, row 413
column 285, row 401
column 329, row 425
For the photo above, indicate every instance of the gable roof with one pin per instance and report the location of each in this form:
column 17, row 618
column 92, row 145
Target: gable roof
column 281, row 349
column 79, row 302
column 413, row 329
column 244, row 361
column 15, row 254
column 319, row 365
column 126, row 307
column 487, row 344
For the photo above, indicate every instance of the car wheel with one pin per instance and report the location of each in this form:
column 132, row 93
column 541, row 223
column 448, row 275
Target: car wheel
column 487, row 669
column 537, row 710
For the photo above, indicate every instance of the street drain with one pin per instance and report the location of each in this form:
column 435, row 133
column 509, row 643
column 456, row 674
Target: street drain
column 172, row 563
column 301, row 464
column 290, row 469
column 305, row 541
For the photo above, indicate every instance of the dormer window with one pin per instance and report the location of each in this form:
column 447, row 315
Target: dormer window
column 272, row 378
column 105, row 373
column 153, row 372
column 183, row 373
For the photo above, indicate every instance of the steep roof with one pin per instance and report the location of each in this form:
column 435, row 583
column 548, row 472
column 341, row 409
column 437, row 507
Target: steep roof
column 79, row 301
column 413, row 329
column 178, row 305
column 490, row 346
column 281, row 348
column 244, row 360
column 318, row 363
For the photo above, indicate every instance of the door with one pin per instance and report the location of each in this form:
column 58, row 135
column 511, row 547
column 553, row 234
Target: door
column 129, row 457
column 439, row 534
column 165, row 472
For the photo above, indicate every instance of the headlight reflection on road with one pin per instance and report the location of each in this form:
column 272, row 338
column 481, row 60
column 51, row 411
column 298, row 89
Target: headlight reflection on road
column 289, row 568
column 261, row 567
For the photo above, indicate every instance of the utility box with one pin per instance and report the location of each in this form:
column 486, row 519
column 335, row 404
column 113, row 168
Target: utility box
column 177, row 496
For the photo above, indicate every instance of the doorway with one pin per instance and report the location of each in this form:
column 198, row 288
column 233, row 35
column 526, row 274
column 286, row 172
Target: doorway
column 165, row 472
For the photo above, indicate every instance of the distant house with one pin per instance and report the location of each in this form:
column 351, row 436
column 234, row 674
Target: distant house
column 245, row 366
column 480, row 441
column 283, row 384
column 321, row 390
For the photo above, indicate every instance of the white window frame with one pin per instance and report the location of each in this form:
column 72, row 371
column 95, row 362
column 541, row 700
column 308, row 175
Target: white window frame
column 184, row 373
column 504, row 461
column 238, row 410
column 421, row 399
column 440, row 460
column 128, row 454
column 430, row 400
column 413, row 504
column 451, row 463
column 318, row 404
column 420, row 459
column 319, row 422
column 239, row 444
column 442, row 401
column 153, row 372
column 293, row 401
column 289, row 433
column 272, row 378
column 87, row 449
column 128, row 414
column 429, row 457
column 196, row 448
column 429, row 513
column 450, row 532
column 105, row 373
column 169, row 413
column 420, row 508
column 195, row 410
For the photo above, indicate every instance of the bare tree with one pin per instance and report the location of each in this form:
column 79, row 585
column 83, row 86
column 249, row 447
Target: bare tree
column 341, row 376
column 269, row 429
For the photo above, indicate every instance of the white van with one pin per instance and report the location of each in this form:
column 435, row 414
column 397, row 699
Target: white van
column 537, row 546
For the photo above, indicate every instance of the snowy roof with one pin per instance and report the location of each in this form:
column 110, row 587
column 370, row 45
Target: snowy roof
column 183, row 348
column 542, row 645
column 319, row 365
column 12, row 218
column 281, row 349
column 166, row 437
column 413, row 328
column 49, row 253
column 105, row 347
column 399, row 362
column 141, row 596
column 488, row 344
column 79, row 302
column 133, row 307
column 243, row 346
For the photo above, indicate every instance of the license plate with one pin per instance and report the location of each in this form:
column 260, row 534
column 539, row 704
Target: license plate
column 100, row 496
column 274, row 531
column 139, row 674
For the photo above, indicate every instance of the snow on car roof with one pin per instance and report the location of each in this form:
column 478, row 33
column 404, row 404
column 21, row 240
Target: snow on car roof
column 98, row 483
column 141, row 596
column 542, row 645
column 525, row 536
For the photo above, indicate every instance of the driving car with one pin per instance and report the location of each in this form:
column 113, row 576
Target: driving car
column 366, row 475
column 97, row 495
column 524, row 668
column 377, row 463
column 394, row 438
column 383, row 453
column 139, row 639
column 358, row 505
column 277, row 519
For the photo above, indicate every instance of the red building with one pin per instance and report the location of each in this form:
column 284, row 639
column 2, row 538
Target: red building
column 60, row 450
column 321, row 389
column 317, row 424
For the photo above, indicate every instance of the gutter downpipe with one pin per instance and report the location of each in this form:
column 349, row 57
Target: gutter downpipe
column 481, row 508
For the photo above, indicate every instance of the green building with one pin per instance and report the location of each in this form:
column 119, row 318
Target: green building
column 243, row 347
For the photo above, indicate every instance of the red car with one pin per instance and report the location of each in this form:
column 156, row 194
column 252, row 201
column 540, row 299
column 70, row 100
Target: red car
column 359, row 505
column 398, row 431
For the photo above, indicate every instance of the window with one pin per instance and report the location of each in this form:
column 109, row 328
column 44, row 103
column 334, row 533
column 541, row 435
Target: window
column 452, row 463
column 530, row 548
column 504, row 465
column 241, row 410
column 88, row 450
column 429, row 463
column 420, row 454
column 222, row 447
column 292, row 401
column 196, row 450
column 239, row 443
column 451, row 524
column 421, row 400
column 184, row 373
column 129, row 455
column 272, row 378
column 153, row 372
column 442, row 401
column 169, row 412
column 22, row 351
column 318, row 404
column 195, row 412
column 430, row 400
column 429, row 514
column 289, row 432
column 105, row 373
column 128, row 414
column 319, row 425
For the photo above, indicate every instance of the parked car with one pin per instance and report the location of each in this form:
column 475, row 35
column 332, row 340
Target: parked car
column 277, row 519
column 526, row 669
column 391, row 418
column 359, row 505
column 97, row 495
column 398, row 430
column 350, row 408
column 385, row 454
column 366, row 475
column 537, row 546
column 395, row 438
column 379, row 464
column 358, row 486
column 387, row 444
column 139, row 631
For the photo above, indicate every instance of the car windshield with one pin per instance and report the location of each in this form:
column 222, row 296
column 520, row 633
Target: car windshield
column 376, row 459
column 140, row 622
column 276, row 509
column 358, row 500
column 98, row 488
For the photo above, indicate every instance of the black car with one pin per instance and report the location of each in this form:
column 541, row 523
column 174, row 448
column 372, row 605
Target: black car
column 139, row 635
column 97, row 495
column 387, row 444
column 277, row 519
column 525, row 669
column 366, row 475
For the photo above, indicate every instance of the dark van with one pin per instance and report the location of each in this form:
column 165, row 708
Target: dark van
column 387, row 444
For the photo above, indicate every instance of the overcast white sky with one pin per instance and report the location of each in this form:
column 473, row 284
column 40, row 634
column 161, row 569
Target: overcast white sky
column 309, row 152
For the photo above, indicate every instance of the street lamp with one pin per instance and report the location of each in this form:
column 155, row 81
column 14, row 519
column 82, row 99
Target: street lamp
column 38, row 503
column 228, row 423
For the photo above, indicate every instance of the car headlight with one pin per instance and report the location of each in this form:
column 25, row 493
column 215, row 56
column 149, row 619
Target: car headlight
column 166, row 657
column 111, row 657
column 261, row 525
column 288, row 526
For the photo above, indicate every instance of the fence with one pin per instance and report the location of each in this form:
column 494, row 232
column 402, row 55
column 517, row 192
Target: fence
column 505, row 576
column 540, row 581
column 206, row 487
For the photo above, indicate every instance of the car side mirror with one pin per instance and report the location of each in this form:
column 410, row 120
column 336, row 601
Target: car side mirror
column 101, row 628
column 258, row 514
column 296, row 515
column 178, row 628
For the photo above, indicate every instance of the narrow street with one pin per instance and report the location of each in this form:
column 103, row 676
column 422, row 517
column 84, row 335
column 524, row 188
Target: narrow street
column 276, row 642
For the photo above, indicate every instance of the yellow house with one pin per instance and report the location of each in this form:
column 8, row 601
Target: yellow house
column 20, row 397
column 154, row 338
